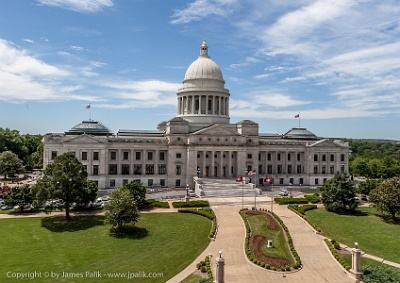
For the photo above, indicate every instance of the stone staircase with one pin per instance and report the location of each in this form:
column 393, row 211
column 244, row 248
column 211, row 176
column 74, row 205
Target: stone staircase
column 226, row 188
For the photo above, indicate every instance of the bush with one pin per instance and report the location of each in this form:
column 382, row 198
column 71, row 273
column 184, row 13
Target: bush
column 312, row 198
column 195, row 203
column 302, row 209
column 203, row 269
column 291, row 201
column 380, row 274
column 156, row 203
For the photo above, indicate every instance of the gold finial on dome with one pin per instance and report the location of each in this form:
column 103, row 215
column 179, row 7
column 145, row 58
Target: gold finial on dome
column 204, row 49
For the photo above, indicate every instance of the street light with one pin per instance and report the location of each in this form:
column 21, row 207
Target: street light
column 356, row 245
column 187, row 190
column 244, row 182
column 198, row 172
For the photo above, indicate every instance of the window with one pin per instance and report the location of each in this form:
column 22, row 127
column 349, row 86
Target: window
column 149, row 155
column 113, row 155
column 137, row 169
column 332, row 157
column 112, row 169
column 315, row 157
column 323, row 157
column 125, row 169
column 138, row 155
column 298, row 169
column 85, row 166
column 332, row 169
column 316, row 181
column 162, row 182
column 96, row 170
column 249, row 156
column 315, row 169
column 260, row 169
column 269, row 156
column 178, row 169
column 298, row 157
column 323, row 169
column 112, row 183
column 177, row 182
column 341, row 168
column 342, row 157
column 269, row 169
column 279, row 157
column 289, row 169
column 53, row 155
column 162, row 169
column 289, row 156
column 178, row 155
column 84, row 155
column 280, row 181
column 124, row 182
column 162, row 156
column 259, row 156
column 149, row 169
column 150, row 182
column 125, row 155
column 279, row 169
column 96, row 155
column 291, row 181
column 301, row 181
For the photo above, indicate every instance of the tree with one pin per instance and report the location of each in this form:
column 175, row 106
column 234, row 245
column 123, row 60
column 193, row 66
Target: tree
column 122, row 209
column 138, row 192
column 88, row 192
column 63, row 179
column 20, row 196
column 387, row 197
column 10, row 164
column 365, row 187
column 339, row 194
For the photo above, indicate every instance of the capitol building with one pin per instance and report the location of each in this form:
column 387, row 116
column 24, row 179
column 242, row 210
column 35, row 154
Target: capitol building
column 199, row 141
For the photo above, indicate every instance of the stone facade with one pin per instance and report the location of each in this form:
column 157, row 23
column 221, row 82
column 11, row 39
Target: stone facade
column 199, row 140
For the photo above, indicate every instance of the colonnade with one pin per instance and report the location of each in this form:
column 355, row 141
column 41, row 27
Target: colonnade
column 203, row 104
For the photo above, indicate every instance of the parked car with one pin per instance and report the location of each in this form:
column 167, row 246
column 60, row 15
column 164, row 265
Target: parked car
column 6, row 207
column 364, row 197
column 283, row 193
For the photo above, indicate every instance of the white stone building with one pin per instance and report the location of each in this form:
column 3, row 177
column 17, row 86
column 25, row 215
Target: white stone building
column 199, row 140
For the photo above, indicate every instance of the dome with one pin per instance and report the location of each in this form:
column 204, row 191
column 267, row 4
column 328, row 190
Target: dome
column 300, row 133
column 204, row 67
column 89, row 127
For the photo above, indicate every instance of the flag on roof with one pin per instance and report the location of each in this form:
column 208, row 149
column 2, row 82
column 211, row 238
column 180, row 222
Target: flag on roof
column 297, row 116
column 239, row 179
column 88, row 106
column 252, row 172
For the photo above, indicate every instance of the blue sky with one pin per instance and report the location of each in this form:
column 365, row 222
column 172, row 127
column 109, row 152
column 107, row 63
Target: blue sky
column 335, row 62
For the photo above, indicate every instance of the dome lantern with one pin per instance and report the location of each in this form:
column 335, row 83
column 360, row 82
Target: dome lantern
column 204, row 49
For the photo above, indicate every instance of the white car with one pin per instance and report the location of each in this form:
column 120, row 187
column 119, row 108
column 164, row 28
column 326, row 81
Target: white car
column 283, row 193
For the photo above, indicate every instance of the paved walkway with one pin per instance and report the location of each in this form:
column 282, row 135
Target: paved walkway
column 319, row 265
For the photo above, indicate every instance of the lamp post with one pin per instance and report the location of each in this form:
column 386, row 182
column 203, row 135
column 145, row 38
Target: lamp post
column 244, row 182
column 198, row 172
column 187, row 192
column 290, row 190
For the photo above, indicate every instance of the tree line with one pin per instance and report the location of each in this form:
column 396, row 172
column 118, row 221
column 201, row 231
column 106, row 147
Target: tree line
column 374, row 158
column 27, row 148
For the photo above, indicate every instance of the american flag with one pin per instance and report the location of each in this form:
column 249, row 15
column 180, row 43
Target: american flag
column 297, row 116
column 88, row 106
column 252, row 172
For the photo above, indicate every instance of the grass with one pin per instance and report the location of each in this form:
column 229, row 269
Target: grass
column 374, row 235
column 368, row 261
column 192, row 278
column 258, row 224
column 161, row 243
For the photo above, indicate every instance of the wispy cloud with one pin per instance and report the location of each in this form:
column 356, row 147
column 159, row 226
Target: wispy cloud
column 82, row 6
column 28, row 40
column 200, row 9
column 88, row 70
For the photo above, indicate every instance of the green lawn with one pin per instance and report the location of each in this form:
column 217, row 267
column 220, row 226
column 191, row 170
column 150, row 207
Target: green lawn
column 373, row 234
column 162, row 243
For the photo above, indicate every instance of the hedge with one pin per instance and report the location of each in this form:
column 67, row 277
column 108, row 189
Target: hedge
column 291, row 201
column 156, row 203
column 195, row 203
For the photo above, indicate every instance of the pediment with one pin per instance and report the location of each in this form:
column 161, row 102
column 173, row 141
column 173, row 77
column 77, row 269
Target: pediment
column 216, row 130
column 328, row 143
column 85, row 139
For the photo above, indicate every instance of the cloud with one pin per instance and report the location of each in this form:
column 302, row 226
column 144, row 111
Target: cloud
column 141, row 94
column 24, row 77
column 82, row 6
column 87, row 71
column 200, row 9
column 28, row 40
column 76, row 48
column 246, row 62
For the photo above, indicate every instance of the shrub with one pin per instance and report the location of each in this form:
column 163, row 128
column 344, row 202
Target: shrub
column 302, row 209
column 203, row 269
column 291, row 201
column 195, row 203
column 312, row 198
column 156, row 203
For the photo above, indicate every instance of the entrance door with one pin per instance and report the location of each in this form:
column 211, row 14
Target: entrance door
column 224, row 171
column 207, row 171
column 215, row 171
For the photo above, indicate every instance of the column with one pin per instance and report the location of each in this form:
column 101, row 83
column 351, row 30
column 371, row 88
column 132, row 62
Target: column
column 229, row 163
column 355, row 271
column 219, row 273
column 212, row 164
column 221, row 166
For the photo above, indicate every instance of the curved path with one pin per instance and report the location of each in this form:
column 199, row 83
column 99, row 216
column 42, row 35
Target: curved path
column 319, row 265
